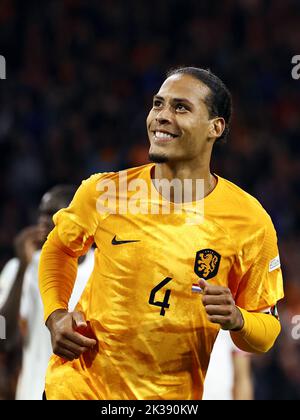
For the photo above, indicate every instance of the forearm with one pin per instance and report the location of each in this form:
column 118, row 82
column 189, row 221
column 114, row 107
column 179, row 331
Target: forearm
column 57, row 274
column 242, row 377
column 258, row 334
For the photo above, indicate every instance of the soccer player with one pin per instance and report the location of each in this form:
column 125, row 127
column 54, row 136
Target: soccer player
column 20, row 298
column 143, row 331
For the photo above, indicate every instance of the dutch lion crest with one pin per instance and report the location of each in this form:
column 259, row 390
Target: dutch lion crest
column 207, row 263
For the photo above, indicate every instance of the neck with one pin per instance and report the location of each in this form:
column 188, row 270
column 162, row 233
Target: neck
column 187, row 171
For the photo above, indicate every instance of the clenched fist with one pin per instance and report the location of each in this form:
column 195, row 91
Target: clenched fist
column 69, row 334
column 220, row 307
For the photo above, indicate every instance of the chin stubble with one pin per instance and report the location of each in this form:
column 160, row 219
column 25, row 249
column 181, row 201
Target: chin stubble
column 157, row 158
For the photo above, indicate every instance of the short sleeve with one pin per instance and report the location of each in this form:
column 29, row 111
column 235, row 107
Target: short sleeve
column 77, row 224
column 261, row 285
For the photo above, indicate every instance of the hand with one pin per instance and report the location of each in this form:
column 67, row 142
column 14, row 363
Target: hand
column 220, row 307
column 27, row 242
column 68, row 334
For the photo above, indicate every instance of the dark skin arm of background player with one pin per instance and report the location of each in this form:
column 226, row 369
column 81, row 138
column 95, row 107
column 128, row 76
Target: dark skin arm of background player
column 26, row 243
column 242, row 379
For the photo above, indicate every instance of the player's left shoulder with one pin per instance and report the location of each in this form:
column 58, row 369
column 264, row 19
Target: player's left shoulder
column 244, row 206
column 123, row 176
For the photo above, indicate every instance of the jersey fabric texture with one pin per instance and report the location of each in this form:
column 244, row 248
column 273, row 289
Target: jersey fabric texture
column 154, row 339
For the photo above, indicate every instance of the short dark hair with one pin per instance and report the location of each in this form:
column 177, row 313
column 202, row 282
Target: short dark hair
column 219, row 101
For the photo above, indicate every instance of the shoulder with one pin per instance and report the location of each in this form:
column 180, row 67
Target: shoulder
column 243, row 217
column 128, row 173
column 242, row 206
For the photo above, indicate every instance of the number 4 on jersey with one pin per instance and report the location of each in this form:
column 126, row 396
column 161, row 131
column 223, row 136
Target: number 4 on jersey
column 165, row 303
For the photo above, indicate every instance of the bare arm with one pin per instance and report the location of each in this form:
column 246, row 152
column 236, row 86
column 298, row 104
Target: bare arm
column 242, row 379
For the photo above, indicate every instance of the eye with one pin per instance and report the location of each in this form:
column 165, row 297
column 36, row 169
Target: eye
column 181, row 108
column 157, row 103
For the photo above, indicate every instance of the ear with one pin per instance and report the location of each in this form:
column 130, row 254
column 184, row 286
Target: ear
column 217, row 127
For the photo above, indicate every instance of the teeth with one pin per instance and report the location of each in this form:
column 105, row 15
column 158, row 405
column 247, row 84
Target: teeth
column 161, row 135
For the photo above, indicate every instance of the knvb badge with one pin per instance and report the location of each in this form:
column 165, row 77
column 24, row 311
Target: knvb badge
column 2, row 328
column 2, row 67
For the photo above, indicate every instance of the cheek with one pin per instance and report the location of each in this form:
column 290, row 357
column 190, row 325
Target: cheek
column 200, row 129
column 149, row 119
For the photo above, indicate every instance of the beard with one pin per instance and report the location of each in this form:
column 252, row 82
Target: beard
column 158, row 158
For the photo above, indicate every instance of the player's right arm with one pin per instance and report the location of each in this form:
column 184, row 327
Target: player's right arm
column 67, row 342
column 57, row 274
column 242, row 380
column 72, row 237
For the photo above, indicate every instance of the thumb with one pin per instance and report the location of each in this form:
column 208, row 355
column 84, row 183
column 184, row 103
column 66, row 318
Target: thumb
column 202, row 283
column 79, row 320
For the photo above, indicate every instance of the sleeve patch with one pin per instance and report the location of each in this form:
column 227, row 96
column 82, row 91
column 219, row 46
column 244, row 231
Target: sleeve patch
column 275, row 263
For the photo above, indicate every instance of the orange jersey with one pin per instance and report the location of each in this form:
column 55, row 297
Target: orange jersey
column 154, row 339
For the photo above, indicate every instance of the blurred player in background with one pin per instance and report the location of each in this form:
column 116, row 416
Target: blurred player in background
column 149, row 336
column 229, row 374
column 20, row 298
column 11, row 283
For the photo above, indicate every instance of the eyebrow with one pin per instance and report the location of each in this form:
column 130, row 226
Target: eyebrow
column 176, row 100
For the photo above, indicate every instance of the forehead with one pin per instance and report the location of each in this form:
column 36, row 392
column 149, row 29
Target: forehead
column 184, row 86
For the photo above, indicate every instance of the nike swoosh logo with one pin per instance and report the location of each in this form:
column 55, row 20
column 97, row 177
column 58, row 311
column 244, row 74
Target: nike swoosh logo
column 116, row 242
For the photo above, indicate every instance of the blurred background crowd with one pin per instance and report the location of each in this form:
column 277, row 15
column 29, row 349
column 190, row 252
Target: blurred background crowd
column 80, row 80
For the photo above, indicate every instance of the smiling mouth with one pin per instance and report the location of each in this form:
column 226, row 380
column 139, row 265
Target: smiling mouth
column 163, row 136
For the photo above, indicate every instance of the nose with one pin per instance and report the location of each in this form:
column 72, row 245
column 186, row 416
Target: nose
column 164, row 116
